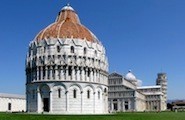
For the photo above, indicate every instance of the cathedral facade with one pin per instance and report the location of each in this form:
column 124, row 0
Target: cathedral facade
column 125, row 93
column 66, row 69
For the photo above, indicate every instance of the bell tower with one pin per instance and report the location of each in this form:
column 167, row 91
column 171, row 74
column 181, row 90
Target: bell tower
column 162, row 81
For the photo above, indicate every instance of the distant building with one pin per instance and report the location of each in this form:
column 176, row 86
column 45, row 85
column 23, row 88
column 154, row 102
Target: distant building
column 127, row 94
column 178, row 105
column 12, row 103
column 67, row 69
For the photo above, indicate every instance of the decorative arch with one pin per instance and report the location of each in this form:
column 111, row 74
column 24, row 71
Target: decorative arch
column 59, row 84
column 100, row 87
column 75, row 84
column 91, row 86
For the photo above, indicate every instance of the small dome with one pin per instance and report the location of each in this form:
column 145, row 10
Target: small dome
column 130, row 76
column 67, row 25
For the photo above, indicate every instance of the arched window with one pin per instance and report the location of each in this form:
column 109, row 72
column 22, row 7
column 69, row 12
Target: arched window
column 58, row 49
column 59, row 93
column 88, row 94
column 74, row 93
column 98, row 94
column 105, row 90
column 85, row 51
column 95, row 53
column 44, row 49
column 9, row 106
column 72, row 49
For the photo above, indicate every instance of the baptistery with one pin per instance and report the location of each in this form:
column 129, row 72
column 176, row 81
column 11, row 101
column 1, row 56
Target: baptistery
column 66, row 69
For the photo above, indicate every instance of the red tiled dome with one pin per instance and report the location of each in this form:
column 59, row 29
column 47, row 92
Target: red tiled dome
column 67, row 25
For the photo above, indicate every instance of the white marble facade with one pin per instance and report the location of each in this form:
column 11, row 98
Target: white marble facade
column 125, row 93
column 12, row 103
column 67, row 75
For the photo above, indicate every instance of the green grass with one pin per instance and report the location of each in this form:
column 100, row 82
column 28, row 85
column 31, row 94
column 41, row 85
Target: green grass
column 119, row 116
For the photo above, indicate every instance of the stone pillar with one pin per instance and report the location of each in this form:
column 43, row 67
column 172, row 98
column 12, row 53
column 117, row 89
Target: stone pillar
column 67, row 73
column 94, row 102
column 112, row 105
column 62, row 73
column 56, row 72
column 95, row 76
column 91, row 75
column 77, row 74
column 73, row 73
column 67, row 102
column 39, row 102
column 50, row 102
column 98, row 76
column 135, row 108
column 80, row 73
column 86, row 69
column 50, row 73
column 37, row 73
column 41, row 73
column 118, row 104
column 81, row 101
column 46, row 72
column 59, row 72
column 83, row 74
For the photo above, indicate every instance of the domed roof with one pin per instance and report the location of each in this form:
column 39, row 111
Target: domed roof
column 130, row 76
column 67, row 25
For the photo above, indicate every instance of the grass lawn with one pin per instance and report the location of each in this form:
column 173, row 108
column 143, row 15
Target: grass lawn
column 119, row 116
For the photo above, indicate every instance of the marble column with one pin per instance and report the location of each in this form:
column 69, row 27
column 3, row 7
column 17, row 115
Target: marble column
column 62, row 73
column 50, row 102
column 41, row 73
column 94, row 102
column 73, row 73
column 83, row 74
column 81, row 101
column 39, row 102
column 78, row 74
column 50, row 73
column 33, row 74
column 59, row 72
column 67, row 73
column 95, row 76
column 46, row 72
column 98, row 76
column 37, row 73
column 86, row 69
column 67, row 102
column 91, row 75
column 56, row 72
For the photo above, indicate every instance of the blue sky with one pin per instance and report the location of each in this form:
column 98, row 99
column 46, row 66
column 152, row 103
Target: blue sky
column 146, row 36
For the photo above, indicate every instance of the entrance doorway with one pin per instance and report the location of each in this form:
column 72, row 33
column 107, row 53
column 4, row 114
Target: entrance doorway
column 46, row 104
column 115, row 106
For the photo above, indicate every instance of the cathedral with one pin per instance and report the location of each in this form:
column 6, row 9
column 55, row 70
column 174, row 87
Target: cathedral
column 126, row 93
column 66, row 69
